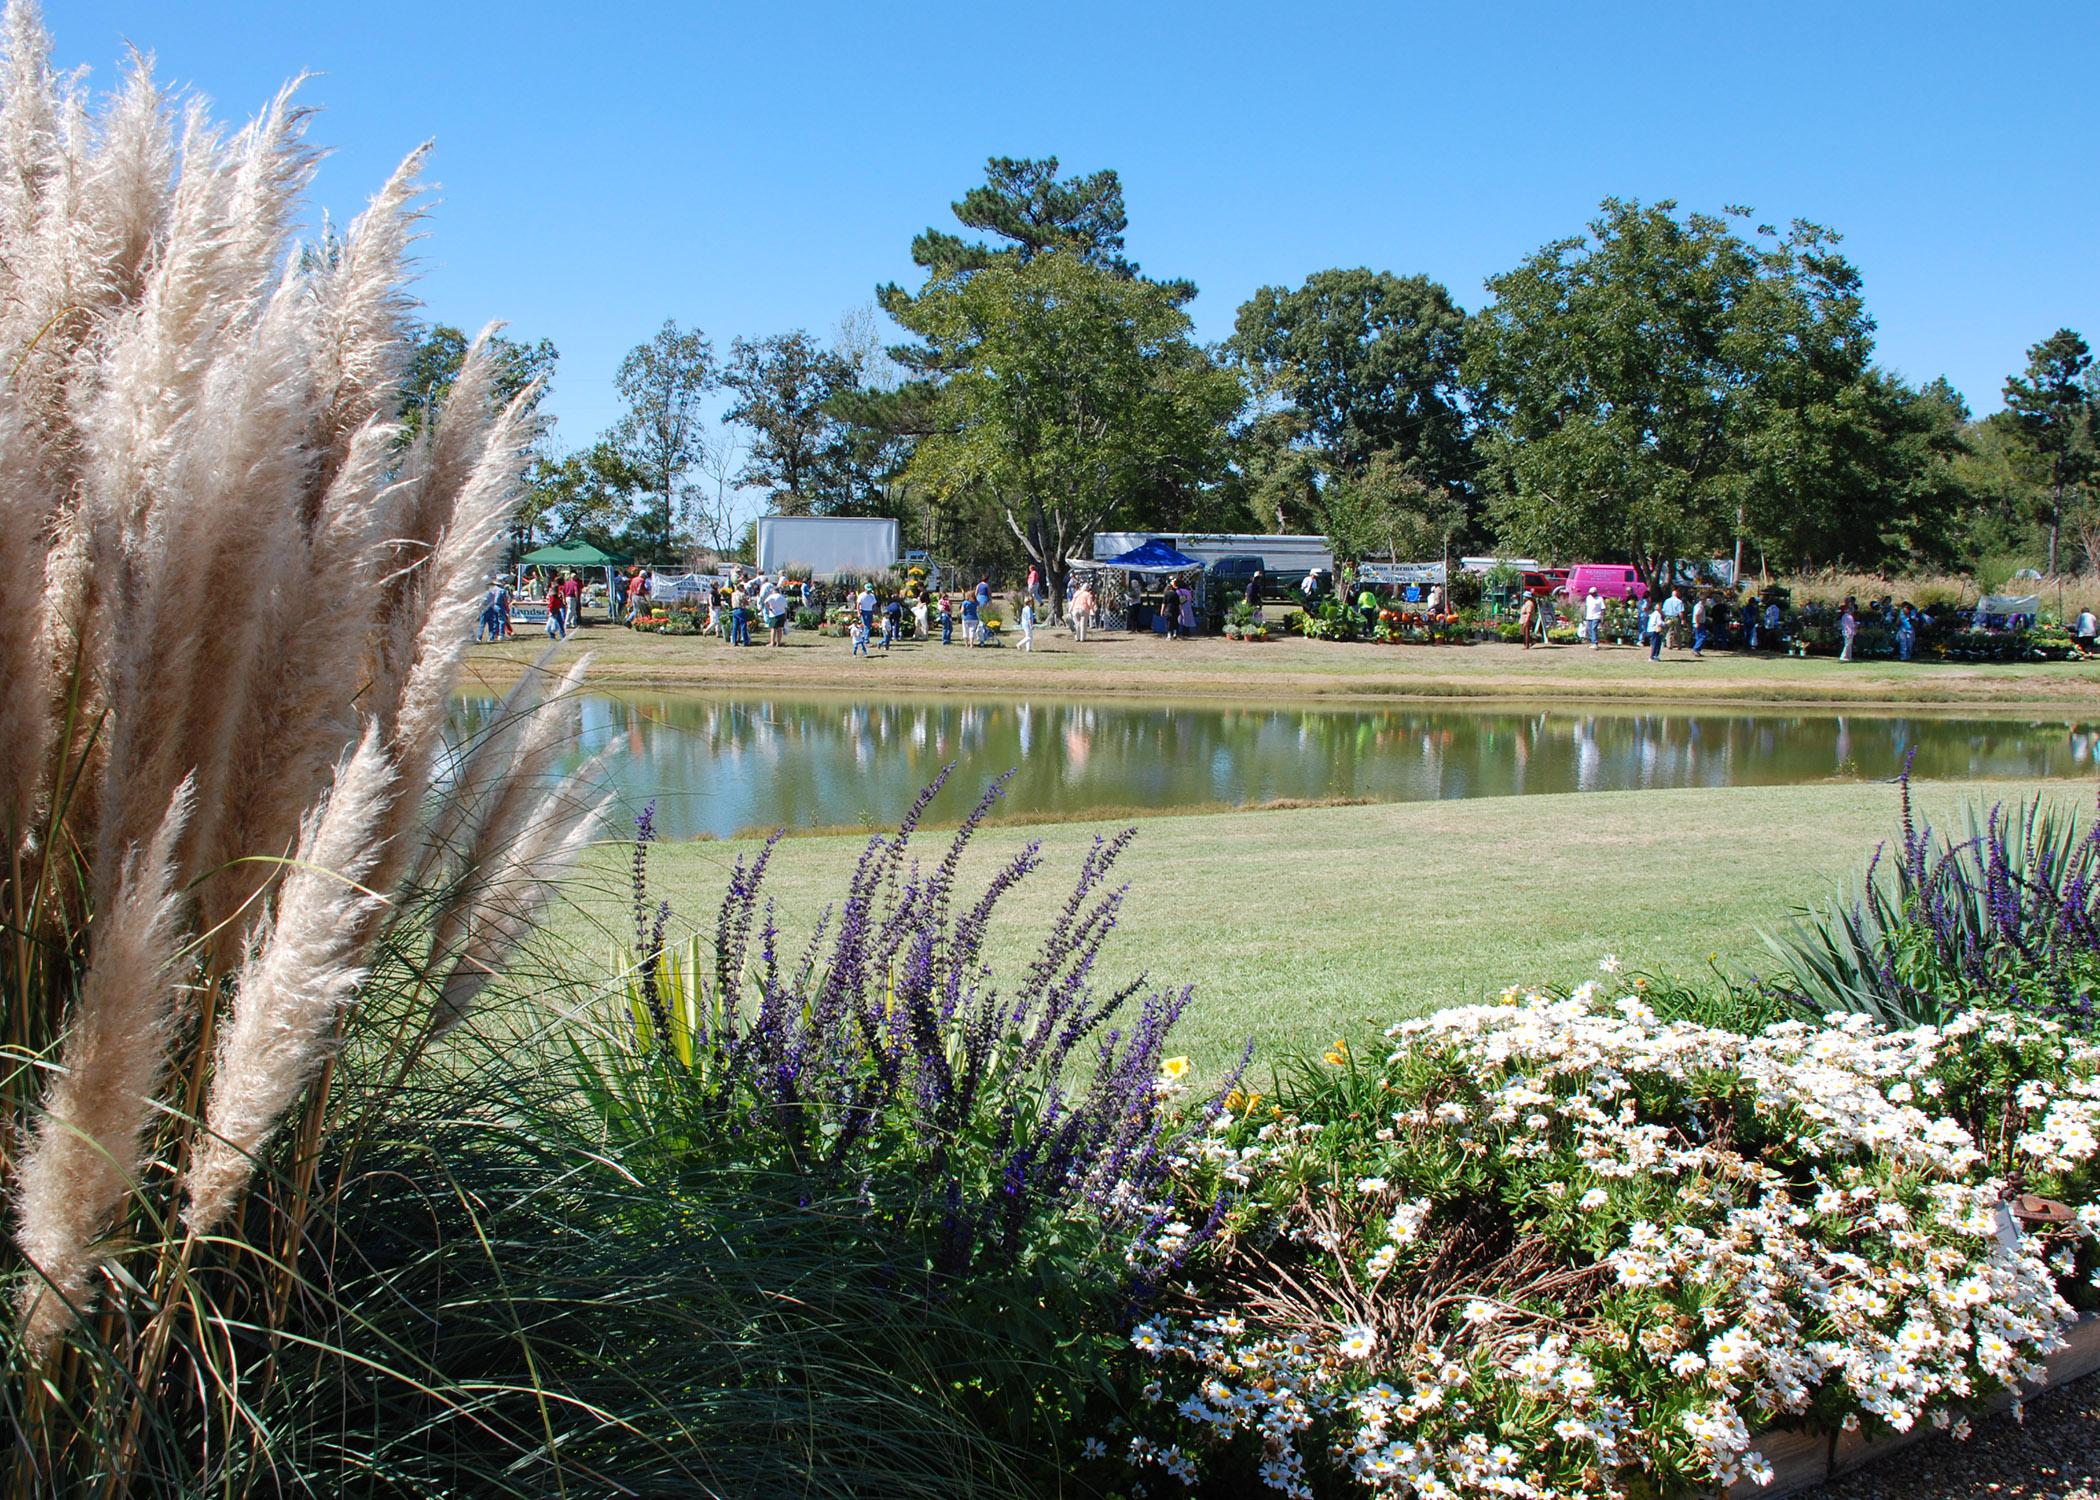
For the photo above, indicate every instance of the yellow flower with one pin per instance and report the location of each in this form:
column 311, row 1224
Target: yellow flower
column 1240, row 1102
column 1174, row 1067
column 1336, row 1056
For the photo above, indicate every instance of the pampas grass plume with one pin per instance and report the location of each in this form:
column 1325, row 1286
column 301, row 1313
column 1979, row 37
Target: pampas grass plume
column 84, row 1156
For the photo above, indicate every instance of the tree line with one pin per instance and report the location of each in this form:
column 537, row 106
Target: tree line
column 1663, row 385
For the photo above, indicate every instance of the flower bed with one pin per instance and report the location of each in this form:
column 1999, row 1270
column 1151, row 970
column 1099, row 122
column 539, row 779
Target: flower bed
column 1565, row 1246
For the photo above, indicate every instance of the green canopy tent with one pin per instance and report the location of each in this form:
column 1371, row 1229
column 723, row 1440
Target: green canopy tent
column 570, row 555
column 578, row 556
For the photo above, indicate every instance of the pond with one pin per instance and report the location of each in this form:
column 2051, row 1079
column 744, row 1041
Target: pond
column 721, row 765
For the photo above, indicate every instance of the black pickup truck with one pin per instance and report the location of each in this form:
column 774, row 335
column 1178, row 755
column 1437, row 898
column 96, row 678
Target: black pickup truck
column 1229, row 575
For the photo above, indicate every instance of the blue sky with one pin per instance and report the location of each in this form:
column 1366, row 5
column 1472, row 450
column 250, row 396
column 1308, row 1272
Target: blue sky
column 755, row 168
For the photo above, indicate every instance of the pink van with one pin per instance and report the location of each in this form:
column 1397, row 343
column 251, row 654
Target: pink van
column 1610, row 580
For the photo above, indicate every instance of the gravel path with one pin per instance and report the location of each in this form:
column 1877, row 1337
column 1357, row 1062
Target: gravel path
column 2055, row 1455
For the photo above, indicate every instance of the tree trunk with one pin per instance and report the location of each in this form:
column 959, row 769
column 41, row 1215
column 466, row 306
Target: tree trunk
column 1045, row 546
column 2056, row 522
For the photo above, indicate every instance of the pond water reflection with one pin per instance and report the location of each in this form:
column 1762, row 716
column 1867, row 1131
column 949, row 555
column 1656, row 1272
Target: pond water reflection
column 721, row 765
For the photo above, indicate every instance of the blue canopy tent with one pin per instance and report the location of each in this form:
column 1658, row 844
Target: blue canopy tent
column 1120, row 606
column 1154, row 556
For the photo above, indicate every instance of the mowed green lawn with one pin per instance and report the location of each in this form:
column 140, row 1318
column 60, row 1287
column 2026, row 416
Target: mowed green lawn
column 1298, row 926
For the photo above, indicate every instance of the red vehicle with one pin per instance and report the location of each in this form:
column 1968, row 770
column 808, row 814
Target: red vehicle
column 1546, row 581
column 1610, row 580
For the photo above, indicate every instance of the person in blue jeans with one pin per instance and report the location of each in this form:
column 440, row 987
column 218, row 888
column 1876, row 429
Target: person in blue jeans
column 947, row 620
column 740, row 624
column 1655, row 633
column 491, row 626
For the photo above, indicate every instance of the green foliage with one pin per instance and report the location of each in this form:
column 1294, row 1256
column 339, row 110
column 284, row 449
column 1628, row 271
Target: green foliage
column 579, row 496
column 1385, row 510
column 783, row 387
column 2052, row 407
column 2006, row 914
column 1073, row 395
column 1027, row 205
column 434, row 363
column 1862, row 474
column 1636, row 384
column 1369, row 362
column 528, row 1315
column 1276, row 477
column 660, row 436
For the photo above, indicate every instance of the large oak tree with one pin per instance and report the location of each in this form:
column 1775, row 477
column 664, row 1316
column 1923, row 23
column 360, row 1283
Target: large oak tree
column 1637, row 383
column 1370, row 362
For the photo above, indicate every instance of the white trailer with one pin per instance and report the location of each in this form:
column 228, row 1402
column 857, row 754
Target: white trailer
column 827, row 545
column 1282, row 556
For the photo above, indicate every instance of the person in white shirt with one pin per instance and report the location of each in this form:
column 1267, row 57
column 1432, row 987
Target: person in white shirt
column 1592, row 617
column 1655, row 632
column 1027, row 624
column 2088, row 627
column 1672, row 612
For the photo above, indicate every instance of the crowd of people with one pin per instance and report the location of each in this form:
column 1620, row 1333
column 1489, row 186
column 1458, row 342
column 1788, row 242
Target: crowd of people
column 876, row 619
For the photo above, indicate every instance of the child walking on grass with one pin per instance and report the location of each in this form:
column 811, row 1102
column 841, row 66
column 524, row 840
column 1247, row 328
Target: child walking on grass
column 1028, row 625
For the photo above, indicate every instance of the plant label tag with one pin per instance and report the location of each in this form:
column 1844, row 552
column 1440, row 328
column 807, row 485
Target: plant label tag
column 2009, row 1236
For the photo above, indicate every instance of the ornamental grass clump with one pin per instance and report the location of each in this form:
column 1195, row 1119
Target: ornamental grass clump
column 2006, row 914
column 241, row 602
column 1558, row 1246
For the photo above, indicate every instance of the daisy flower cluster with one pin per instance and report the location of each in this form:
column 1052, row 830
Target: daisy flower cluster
column 1561, row 1245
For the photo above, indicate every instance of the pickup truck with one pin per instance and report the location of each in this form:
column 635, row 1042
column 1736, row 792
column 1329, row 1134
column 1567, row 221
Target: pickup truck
column 1229, row 575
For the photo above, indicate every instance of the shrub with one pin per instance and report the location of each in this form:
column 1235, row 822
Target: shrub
column 1006, row 1137
column 1830, row 587
column 514, row 1312
column 2006, row 915
column 1559, row 1245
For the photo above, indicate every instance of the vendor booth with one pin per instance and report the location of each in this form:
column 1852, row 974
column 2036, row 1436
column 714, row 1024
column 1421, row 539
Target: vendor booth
column 2007, row 611
column 580, row 558
column 1126, row 586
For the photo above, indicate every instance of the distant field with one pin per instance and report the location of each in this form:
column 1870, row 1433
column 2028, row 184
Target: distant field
column 1297, row 926
column 1116, row 664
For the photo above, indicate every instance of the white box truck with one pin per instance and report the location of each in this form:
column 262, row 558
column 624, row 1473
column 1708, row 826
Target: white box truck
column 1283, row 556
column 827, row 545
